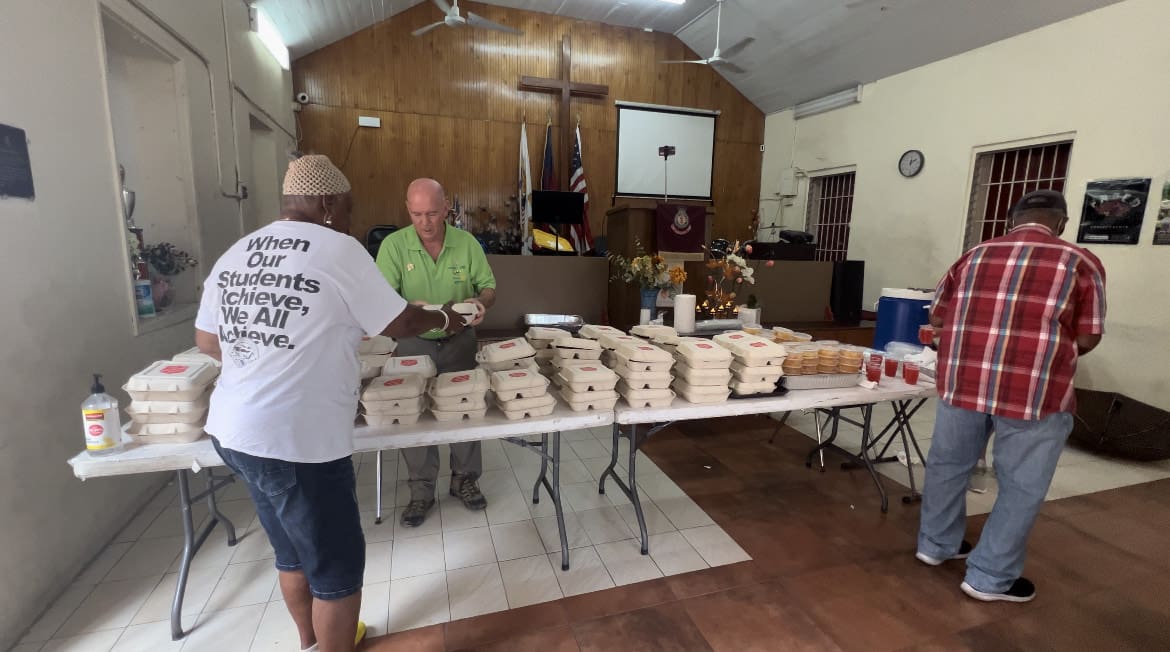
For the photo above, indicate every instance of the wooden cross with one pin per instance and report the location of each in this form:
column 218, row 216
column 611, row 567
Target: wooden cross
column 567, row 89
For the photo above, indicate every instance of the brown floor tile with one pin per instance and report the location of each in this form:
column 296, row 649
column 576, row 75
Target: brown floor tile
column 470, row 633
column 631, row 597
column 425, row 639
column 665, row 628
column 689, row 585
column 1134, row 534
column 557, row 639
column 757, row 617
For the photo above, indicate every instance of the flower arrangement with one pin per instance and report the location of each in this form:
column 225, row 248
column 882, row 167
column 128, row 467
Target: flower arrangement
column 728, row 271
column 167, row 259
column 648, row 271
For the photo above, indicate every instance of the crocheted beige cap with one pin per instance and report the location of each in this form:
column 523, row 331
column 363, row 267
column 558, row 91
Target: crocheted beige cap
column 314, row 175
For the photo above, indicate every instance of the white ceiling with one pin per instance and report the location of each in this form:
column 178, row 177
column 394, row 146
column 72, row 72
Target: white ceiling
column 804, row 48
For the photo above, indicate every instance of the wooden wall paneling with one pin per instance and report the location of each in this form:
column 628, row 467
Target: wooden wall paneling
column 451, row 109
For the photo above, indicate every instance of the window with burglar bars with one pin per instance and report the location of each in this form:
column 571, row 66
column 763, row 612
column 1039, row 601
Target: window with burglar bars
column 830, row 209
column 1003, row 177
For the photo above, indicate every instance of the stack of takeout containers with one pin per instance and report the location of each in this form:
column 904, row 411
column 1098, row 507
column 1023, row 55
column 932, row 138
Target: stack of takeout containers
column 757, row 365
column 169, row 401
column 522, row 393
column 645, row 374
column 540, row 338
column 611, row 341
column 373, row 352
column 702, row 372
column 587, row 387
column 395, row 398
column 459, row 395
column 515, row 353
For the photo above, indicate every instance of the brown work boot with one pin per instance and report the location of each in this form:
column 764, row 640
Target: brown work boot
column 416, row 512
column 467, row 490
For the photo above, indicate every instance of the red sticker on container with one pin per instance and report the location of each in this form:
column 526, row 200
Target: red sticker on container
column 518, row 374
column 96, row 430
column 507, row 345
column 703, row 346
column 645, row 348
column 393, row 381
column 735, row 337
column 759, row 344
column 408, row 363
column 588, row 368
column 174, row 369
column 461, row 379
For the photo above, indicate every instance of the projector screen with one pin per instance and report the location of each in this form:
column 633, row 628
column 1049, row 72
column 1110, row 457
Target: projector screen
column 642, row 129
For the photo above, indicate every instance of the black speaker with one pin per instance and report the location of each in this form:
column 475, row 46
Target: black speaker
column 845, row 293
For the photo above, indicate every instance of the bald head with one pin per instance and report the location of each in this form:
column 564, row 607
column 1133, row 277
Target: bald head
column 427, row 204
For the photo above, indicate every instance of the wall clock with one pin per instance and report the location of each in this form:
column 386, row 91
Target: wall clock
column 911, row 163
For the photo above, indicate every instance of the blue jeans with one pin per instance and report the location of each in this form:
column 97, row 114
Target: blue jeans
column 310, row 513
column 1026, row 453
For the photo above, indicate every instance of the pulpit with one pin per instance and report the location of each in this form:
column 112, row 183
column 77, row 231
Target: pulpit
column 628, row 224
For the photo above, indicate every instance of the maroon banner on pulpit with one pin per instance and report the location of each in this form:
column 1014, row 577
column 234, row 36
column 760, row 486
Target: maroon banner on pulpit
column 680, row 229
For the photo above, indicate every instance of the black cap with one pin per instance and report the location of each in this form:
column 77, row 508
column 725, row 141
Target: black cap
column 1042, row 200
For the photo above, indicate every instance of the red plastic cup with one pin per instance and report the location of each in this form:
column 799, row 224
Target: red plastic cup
column 892, row 367
column 874, row 358
column 926, row 335
column 873, row 373
column 910, row 373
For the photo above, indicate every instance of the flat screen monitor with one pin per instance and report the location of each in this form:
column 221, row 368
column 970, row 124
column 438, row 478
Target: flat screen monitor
column 557, row 207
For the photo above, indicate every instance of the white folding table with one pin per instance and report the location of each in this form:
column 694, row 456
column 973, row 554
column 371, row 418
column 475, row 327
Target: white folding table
column 828, row 401
column 185, row 459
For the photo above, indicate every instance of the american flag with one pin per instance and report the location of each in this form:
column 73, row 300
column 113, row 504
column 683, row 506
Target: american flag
column 581, row 234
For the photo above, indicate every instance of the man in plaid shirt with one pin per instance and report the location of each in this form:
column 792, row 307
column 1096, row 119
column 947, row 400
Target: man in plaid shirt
column 1014, row 314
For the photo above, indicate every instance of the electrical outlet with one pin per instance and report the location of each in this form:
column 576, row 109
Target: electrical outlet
column 367, row 121
column 761, row 148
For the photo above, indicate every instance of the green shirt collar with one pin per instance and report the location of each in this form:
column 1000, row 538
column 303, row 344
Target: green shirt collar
column 416, row 242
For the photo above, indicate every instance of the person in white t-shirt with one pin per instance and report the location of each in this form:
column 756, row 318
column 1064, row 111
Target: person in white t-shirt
column 284, row 309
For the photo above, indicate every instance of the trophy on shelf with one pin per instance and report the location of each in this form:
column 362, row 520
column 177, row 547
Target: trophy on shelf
column 137, row 262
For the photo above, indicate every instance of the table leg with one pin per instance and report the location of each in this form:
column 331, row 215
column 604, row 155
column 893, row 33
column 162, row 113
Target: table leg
column 633, row 490
column 543, row 468
column 553, row 488
column 191, row 541
column 613, row 460
column 378, row 489
column 779, row 425
column 834, row 415
column 820, row 438
column 866, row 432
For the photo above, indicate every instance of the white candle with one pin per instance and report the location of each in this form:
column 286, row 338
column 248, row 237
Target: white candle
column 684, row 313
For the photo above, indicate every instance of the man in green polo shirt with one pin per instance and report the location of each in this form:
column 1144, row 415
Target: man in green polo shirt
column 432, row 262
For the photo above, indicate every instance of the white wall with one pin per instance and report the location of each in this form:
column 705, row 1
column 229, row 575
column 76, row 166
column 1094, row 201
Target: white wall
column 1100, row 77
column 66, row 306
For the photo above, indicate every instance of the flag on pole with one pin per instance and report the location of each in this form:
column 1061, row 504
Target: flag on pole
column 581, row 234
column 548, row 177
column 524, row 194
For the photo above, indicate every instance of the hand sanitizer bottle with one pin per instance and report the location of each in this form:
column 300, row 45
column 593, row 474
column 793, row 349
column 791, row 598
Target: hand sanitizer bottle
column 99, row 418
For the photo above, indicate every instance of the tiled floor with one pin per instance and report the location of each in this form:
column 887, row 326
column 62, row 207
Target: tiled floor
column 458, row 565
column 831, row 572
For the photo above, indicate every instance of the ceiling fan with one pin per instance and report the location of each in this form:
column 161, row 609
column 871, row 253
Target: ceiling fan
column 451, row 18
column 720, row 58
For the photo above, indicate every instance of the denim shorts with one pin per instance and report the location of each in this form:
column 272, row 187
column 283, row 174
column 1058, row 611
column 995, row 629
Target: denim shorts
column 310, row 512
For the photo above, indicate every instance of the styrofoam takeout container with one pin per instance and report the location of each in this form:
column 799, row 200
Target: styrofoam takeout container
column 457, row 383
column 703, row 354
column 167, row 380
column 422, row 365
column 377, row 345
column 398, row 406
column 391, row 388
column 168, row 411
column 507, row 350
column 659, row 366
column 715, row 376
column 165, row 433
column 193, row 354
column 701, row 393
